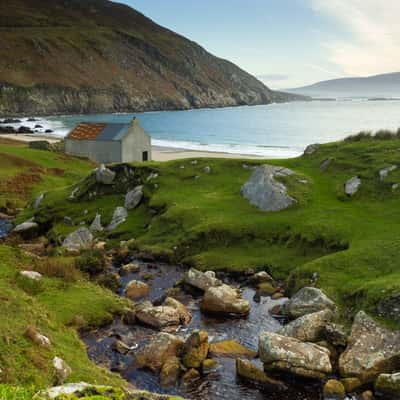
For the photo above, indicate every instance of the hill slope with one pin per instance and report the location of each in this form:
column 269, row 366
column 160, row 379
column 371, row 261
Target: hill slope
column 69, row 56
column 385, row 85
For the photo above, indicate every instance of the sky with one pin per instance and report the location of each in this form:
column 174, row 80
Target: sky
column 289, row 43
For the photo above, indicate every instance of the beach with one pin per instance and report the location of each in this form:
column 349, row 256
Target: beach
column 159, row 153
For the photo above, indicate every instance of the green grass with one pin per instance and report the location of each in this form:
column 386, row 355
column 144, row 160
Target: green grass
column 50, row 307
column 47, row 170
column 351, row 242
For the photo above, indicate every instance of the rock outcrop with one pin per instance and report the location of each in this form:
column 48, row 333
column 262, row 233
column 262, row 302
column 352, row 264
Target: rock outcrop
column 290, row 355
column 265, row 192
column 133, row 198
column 158, row 317
column 306, row 301
column 119, row 217
column 26, row 226
column 104, row 175
column 372, row 350
column 195, row 350
column 96, row 226
column 82, row 238
column 224, row 300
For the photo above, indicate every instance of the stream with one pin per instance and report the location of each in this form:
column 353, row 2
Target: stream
column 222, row 384
column 5, row 227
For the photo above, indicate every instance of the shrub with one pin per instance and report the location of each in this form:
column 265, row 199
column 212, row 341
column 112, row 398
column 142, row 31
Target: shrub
column 384, row 134
column 363, row 135
column 91, row 262
column 58, row 269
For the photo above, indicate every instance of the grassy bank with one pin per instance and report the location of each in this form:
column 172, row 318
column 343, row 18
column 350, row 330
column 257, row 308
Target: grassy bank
column 200, row 219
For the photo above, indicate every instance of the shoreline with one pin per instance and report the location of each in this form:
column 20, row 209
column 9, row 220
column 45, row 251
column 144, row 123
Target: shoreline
column 159, row 153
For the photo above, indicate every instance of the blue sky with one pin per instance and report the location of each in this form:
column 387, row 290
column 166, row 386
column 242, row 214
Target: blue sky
column 289, row 43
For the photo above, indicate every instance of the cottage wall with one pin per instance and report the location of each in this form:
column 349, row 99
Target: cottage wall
column 100, row 151
column 135, row 142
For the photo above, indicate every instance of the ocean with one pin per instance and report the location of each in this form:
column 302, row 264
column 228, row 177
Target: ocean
column 272, row 131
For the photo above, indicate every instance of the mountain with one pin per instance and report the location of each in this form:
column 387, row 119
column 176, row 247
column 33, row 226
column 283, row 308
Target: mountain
column 384, row 85
column 74, row 56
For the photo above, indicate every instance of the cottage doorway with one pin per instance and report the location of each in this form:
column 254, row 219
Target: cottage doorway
column 145, row 156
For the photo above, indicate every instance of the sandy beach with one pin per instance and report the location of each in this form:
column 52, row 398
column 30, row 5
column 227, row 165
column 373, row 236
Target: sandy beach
column 158, row 153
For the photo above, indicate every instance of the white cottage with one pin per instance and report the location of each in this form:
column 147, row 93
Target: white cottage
column 109, row 143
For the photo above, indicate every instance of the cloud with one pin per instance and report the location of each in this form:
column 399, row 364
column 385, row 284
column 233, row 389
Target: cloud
column 273, row 77
column 374, row 47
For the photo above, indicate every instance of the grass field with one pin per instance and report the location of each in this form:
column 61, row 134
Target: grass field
column 200, row 219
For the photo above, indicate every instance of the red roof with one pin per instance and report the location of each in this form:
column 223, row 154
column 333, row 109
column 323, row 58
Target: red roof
column 86, row 131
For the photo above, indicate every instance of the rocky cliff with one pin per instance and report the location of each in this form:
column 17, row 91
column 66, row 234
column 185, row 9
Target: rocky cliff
column 69, row 56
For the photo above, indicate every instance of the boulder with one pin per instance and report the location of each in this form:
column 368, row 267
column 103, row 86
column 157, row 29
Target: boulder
column 266, row 289
column 372, row 350
column 136, row 290
column 201, row 280
column 133, row 198
column 209, row 365
column 96, row 224
column 38, row 201
column 264, row 192
column 119, row 217
column 120, row 347
column 306, row 301
column 195, row 350
column 170, row 372
column 35, row 276
column 388, row 384
column 62, row 370
column 309, row 327
column 207, row 169
column 231, row 349
column 82, row 238
column 184, row 315
column 325, row 164
column 352, row 185
column 26, row 226
column 290, row 355
column 351, row 384
column 158, row 351
column 334, row 389
column 104, row 175
column 383, row 173
column 224, row 299
column 157, row 317
column 245, row 369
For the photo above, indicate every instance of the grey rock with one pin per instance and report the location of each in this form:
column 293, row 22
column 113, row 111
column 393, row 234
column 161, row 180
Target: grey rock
column 207, row 169
column 38, row 201
column 133, row 198
column 309, row 327
column 371, row 350
column 119, row 217
column 325, row 164
column 288, row 354
column 104, row 175
column 26, row 226
column 383, row 173
column 335, row 334
column 311, row 149
column 79, row 239
column 306, row 301
column 352, row 185
column 152, row 176
column 35, row 276
column 158, row 317
column 261, row 277
column 264, row 192
column 201, row 280
column 73, row 194
column 96, row 224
